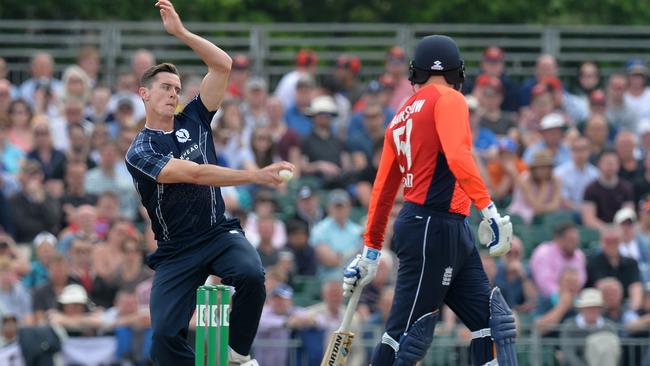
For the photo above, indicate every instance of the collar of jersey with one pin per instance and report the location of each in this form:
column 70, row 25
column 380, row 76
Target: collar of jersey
column 158, row 132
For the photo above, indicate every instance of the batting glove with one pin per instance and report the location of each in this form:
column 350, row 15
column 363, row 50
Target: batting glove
column 495, row 231
column 361, row 270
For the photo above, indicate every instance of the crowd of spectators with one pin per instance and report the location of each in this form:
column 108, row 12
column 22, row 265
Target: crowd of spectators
column 569, row 156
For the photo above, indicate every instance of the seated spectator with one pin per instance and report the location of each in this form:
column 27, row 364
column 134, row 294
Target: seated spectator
column 504, row 171
column 101, row 292
column 376, row 92
column 638, row 92
column 107, row 206
column 45, row 295
column 269, row 255
column 274, row 332
column 298, row 244
column 75, row 314
column 308, row 206
column 576, row 175
column 44, row 152
column 626, row 221
column 285, row 138
column 551, row 128
column 537, row 192
column 253, row 107
column 643, row 239
column 10, row 154
column 610, row 263
column 324, row 155
column 264, row 205
column 489, row 92
column 626, row 148
column 607, row 194
column 615, row 310
column 97, row 111
column 545, row 67
column 553, row 311
column 641, row 184
column 336, row 239
column 597, row 131
column 493, row 64
column 132, row 271
column 73, row 115
column 485, row 142
column 108, row 255
column 296, row 113
column 44, row 246
column 514, row 279
column 42, row 76
column 346, row 74
column 361, row 145
column 131, row 326
column 232, row 137
column 6, row 89
column 8, row 330
column 263, row 148
column 396, row 67
column 83, row 224
column 18, row 258
column 32, row 209
column 550, row 259
column 14, row 298
column 305, row 66
column 619, row 112
column 589, row 323
column 20, row 125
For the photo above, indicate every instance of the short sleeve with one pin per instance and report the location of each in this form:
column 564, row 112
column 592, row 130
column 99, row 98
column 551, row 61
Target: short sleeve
column 590, row 195
column 144, row 156
column 197, row 111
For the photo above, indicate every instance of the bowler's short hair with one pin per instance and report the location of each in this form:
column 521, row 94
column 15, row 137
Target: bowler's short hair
column 150, row 74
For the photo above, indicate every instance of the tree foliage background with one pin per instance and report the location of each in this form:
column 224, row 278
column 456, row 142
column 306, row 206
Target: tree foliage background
column 624, row 12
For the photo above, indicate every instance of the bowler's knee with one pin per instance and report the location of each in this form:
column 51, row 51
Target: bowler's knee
column 250, row 277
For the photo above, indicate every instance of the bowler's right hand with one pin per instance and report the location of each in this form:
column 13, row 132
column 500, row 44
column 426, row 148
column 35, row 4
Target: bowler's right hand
column 270, row 175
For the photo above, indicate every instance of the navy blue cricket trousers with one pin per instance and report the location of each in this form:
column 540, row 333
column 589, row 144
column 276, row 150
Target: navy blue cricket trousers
column 438, row 262
column 173, row 294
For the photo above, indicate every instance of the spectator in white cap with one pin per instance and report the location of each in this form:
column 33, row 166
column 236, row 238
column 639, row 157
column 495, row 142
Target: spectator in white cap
column 76, row 315
column 619, row 112
column 45, row 248
column 588, row 323
column 626, row 220
column 253, row 108
column 551, row 128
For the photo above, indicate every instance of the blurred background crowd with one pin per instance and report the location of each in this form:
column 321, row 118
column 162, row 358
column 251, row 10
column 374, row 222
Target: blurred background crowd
column 568, row 159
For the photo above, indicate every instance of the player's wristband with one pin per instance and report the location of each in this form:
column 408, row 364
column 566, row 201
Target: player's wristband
column 490, row 211
column 370, row 254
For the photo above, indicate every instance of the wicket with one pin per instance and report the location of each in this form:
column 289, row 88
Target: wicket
column 213, row 316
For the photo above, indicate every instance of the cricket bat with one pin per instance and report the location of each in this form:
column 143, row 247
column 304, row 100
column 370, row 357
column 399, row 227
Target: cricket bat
column 340, row 343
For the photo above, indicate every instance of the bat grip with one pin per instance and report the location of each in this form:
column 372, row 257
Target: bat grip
column 350, row 309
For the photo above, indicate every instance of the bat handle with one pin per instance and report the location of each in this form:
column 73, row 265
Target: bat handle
column 350, row 310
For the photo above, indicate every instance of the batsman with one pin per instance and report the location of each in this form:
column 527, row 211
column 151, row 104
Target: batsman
column 428, row 150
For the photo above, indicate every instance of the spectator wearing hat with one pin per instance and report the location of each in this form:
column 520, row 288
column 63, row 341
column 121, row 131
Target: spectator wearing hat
column 545, row 67
column 346, row 73
column 75, row 314
column 626, row 147
column 45, row 296
column 44, row 245
column 396, row 66
column 308, row 206
column 305, row 66
column 14, row 298
column 503, row 172
column 551, row 128
column 629, row 247
column 297, row 113
column 489, row 92
column 253, row 108
column 336, row 238
column 239, row 75
column 275, row 328
column 324, row 154
column 285, row 138
column 493, row 65
column 576, row 175
column 619, row 111
column 376, row 92
column 590, row 325
column 607, row 194
column 549, row 260
column 32, row 208
column 609, row 263
column 638, row 93
column 537, row 191
column 298, row 244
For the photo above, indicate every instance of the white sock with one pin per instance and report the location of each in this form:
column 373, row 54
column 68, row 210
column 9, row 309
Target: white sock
column 236, row 357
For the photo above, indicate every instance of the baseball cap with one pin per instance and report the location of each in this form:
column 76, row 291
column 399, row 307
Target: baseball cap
column 338, row 197
column 44, row 237
column 597, row 97
column 552, row 120
column 493, row 54
column 283, row 291
column 396, row 54
column 624, row 214
column 306, row 57
column 73, row 294
column 352, row 63
column 589, row 297
column 490, row 82
column 305, row 81
column 256, row 83
column 305, row 192
column 636, row 66
column 507, row 144
column 240, row 62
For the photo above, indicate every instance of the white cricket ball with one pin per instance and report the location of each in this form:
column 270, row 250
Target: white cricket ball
column 286, row 174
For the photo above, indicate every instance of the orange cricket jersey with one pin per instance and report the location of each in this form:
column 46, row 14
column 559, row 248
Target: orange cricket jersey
column 427, row 148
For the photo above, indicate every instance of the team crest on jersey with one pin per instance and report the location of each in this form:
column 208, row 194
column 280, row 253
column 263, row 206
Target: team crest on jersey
column 183, row 136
